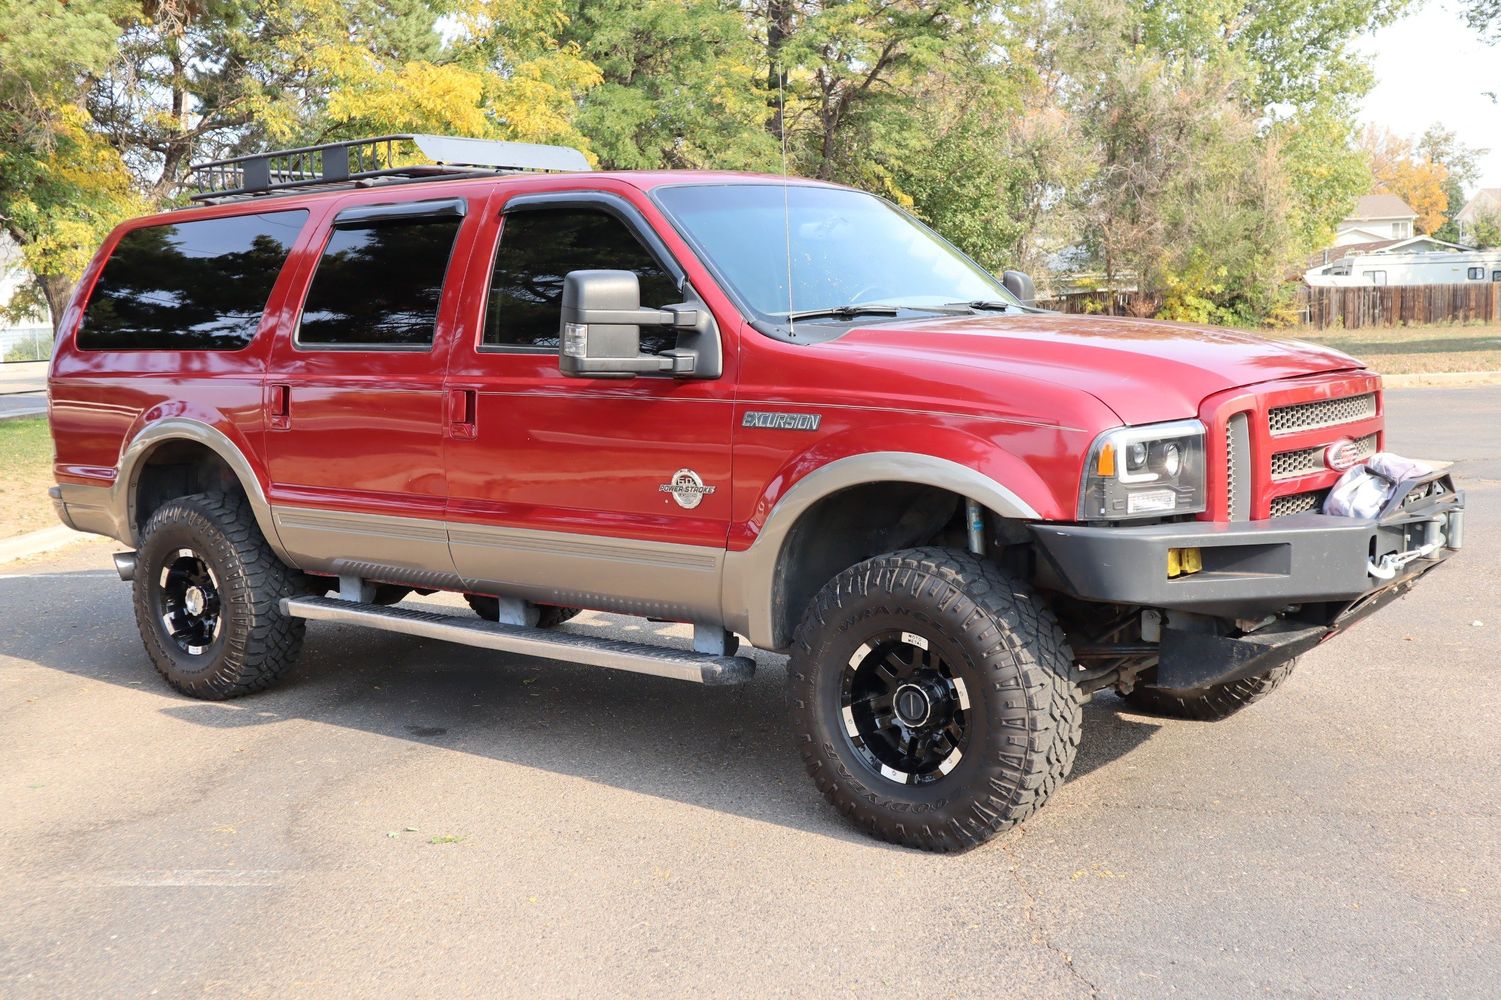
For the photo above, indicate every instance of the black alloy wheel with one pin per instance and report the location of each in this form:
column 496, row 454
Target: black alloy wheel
column 905, row 709
column 188, row 595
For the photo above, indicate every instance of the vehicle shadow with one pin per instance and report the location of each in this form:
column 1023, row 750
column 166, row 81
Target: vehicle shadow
column 727, row 749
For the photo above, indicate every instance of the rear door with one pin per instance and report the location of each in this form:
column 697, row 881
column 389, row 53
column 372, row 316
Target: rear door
column 601, row 493
column 354, row 395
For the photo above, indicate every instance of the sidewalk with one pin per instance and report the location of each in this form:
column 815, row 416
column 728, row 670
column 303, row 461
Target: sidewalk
column 23, row 376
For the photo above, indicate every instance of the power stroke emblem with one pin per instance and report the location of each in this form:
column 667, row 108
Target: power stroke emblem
column 777, row 421
column 1342, row 455
column 686, row 488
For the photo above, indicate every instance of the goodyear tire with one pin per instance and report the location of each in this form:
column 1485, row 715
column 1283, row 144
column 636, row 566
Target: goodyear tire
column 1209, row 704
column 207, row 595
column 488, row 608
column 931, row 699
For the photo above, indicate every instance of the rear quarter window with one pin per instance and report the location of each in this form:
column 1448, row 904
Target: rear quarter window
column 189, row 286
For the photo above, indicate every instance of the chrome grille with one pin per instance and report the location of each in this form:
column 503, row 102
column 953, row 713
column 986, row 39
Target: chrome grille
column 1321, row 413
column 1306, row 461
column 1299, row 503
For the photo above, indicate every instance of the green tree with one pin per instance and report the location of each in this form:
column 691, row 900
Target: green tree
column 1485, row 17
column 1485, row 231
column 61, row 187
column 680, row 85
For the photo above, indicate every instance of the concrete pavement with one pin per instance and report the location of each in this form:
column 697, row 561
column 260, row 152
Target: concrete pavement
column 404, row 817
column 23, row 388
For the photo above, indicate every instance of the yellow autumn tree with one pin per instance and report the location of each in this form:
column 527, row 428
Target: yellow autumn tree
column 1400, row 169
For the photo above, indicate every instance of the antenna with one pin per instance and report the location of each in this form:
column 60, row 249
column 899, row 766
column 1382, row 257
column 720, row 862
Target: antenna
column 786, row 210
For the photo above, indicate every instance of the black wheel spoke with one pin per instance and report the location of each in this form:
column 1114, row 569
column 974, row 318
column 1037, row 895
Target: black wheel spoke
column 901, row 699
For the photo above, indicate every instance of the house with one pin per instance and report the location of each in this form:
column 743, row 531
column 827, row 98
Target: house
column 1485, row 202
column 1376, row 217
column 1420, row 260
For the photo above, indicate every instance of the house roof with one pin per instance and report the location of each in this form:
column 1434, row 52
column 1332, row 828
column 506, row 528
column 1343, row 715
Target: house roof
column 1482, row 201
column 1376, row 246
column 1381, row 206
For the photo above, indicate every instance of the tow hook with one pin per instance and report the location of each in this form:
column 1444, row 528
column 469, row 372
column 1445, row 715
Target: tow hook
column 125, row 565
column 1392, row 562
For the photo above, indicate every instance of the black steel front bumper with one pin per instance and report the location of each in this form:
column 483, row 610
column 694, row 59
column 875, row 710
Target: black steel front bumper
column 1319, row 573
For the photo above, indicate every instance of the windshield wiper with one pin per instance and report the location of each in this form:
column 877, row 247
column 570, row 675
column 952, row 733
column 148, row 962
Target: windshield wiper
column 845, row 312
column 995, row 305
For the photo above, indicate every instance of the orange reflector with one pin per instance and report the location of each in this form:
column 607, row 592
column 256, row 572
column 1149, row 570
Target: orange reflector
column 1105, row 465
column 1181, row 562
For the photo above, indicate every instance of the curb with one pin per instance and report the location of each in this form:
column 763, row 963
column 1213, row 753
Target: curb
column 37, row 542
column 1422, row 380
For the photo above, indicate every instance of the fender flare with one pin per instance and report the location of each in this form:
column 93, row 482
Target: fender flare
column 178, row 428
column 749, row 599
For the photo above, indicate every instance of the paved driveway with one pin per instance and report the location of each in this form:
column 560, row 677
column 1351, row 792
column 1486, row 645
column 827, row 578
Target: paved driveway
column 407, row 819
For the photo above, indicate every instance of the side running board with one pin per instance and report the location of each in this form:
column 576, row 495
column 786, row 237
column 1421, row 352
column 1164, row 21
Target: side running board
column 682, row 665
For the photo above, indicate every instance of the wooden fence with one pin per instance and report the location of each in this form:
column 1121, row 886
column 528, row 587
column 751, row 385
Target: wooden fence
column 1110, row 303
column 1400, row 305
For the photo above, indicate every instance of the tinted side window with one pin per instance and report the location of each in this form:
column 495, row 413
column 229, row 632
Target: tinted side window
column 189, row 286
column 379, row 284
column 537, row 248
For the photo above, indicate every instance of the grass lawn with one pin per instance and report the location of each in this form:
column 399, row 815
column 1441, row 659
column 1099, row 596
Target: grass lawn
column 1405, row 350
column 25, row 476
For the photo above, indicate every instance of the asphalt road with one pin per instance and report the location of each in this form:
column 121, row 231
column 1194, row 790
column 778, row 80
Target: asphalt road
column 406, row 818
column 23, row 388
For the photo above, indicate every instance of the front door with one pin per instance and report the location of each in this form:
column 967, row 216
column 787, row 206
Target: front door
column 600, row 493
column 354, row 396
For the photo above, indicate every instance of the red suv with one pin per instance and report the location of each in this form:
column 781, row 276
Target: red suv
column 338, row 380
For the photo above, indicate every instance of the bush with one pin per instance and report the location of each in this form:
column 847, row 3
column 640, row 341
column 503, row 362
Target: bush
column 34, row 345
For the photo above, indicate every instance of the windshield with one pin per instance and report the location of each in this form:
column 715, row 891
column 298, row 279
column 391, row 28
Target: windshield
column 847, row 248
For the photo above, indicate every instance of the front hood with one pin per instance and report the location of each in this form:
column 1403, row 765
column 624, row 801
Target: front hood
column 1144, row 370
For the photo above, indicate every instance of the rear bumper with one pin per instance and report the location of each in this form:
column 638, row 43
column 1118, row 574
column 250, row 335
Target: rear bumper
column 1319, row 573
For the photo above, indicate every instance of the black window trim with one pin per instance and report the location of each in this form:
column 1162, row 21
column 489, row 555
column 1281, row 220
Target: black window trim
column 607, row 201
column 360, row 217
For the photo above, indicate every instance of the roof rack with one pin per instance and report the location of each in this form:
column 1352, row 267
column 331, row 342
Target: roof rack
column 386, row 157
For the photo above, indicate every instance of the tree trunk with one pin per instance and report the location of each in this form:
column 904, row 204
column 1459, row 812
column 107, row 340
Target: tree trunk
column 778, row 30
column 57, row 290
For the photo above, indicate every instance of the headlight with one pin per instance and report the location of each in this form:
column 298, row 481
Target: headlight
column 1151, row 471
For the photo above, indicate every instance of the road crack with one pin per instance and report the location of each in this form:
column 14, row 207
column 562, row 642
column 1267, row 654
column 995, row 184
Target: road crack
column 1040, row 933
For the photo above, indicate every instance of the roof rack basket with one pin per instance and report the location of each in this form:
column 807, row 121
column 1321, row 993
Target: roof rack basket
column 385, row 157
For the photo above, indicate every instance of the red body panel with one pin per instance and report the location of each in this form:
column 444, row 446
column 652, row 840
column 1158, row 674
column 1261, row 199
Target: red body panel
column 1017, row 397
column 585, row 455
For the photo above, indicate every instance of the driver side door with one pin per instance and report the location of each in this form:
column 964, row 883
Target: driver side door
column 560, row 489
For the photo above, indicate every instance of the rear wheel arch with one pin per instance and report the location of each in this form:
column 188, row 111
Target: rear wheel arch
column 168, row 458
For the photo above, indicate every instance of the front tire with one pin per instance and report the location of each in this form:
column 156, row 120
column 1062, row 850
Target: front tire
column 931, row 698
column 1212, row 703
column 207, row 595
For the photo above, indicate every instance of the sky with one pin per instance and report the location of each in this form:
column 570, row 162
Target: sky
column 1432, row 67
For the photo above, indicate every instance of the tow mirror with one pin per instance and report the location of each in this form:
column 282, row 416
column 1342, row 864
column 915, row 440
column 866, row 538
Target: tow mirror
column 600, row 329
column 1020, row 284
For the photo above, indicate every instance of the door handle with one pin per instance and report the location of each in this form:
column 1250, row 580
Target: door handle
column 279, row 406
column 462, row 404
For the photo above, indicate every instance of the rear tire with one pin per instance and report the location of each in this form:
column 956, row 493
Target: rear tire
column 207, row 594
column 1212, row 703
column 931, row 698
column 488, row 608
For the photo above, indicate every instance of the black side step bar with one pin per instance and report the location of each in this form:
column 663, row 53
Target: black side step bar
column 659, row 661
